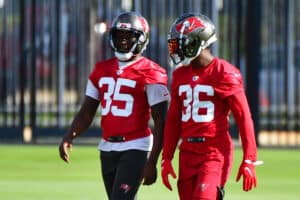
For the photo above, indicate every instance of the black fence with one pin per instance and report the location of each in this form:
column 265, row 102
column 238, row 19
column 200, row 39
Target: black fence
column 48, row 48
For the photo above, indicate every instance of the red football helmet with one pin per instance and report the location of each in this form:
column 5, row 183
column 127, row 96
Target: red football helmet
column 188, row 36
column 129, row 35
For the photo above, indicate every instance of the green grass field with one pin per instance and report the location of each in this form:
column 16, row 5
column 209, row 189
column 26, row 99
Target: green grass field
column 29, row 172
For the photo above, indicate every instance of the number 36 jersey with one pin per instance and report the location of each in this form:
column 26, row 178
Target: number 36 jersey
column 125, row 107
column 200, row 94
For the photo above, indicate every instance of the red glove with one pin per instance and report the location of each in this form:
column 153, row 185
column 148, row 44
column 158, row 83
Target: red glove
column 166, row 169
column 247, row 169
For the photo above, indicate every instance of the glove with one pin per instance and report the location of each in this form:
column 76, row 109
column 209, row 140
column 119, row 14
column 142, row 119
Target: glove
column 247, row 169
column 166, row 169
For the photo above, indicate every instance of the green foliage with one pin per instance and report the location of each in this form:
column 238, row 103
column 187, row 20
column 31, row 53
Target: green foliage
column 34, row 172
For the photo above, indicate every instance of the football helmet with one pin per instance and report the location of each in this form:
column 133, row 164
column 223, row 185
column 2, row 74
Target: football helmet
column 129, row 35
column 188, row 36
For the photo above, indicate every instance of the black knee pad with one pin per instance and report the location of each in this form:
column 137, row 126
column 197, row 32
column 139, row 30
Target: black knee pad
column 221, row 193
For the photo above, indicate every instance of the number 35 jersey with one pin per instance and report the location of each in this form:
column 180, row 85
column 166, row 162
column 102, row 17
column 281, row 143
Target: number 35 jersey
column 125, row 110
column 200, row 94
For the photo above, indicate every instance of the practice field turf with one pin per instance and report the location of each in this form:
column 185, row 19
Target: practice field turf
column 35, row 172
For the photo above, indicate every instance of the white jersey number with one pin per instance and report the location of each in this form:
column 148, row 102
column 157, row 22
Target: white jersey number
column 113, row 93
column 192, row 103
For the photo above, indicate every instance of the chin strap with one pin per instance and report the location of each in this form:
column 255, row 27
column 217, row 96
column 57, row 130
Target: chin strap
column 123, row 56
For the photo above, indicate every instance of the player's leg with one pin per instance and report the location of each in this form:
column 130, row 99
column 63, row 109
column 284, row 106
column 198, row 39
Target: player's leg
column 128, row 175
column 109, row 162
column 207, row 186
column 186, row 188
column 189, row 165
column 227, row 165
column 209, row 178
column 207, row 168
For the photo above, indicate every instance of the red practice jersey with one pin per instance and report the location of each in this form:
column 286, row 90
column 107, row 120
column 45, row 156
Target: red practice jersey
column 199, row 107
column 124, row 107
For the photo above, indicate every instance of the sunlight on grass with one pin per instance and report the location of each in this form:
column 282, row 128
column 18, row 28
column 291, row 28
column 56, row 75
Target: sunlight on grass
column 31, row 172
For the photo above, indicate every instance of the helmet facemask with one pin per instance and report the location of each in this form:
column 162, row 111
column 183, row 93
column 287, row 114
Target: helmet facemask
column 129, row 35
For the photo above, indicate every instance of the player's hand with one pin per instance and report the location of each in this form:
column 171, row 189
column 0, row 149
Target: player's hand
column 149, row 174
column 247, row 170
column 64, row 148
column 166, row 169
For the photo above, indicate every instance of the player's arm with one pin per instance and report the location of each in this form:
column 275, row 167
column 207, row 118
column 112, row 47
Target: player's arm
column 158, row 113
column 241, row 112
column 171, row 138
column 158, row 97
column 173, row 125
column 80, row 123
column 172, row 131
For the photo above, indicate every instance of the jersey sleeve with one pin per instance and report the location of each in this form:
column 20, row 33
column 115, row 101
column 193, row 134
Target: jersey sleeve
column 241, row 112
column 230, row 82
column 157, row 93
column 93, row 76
column 173, row 125
column 92, row 91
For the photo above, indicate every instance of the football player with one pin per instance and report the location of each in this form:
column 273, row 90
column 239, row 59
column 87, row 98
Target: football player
column 130, row 89
column 204, row 90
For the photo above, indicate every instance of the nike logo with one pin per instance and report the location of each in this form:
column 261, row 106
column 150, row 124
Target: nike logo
column 236, row 74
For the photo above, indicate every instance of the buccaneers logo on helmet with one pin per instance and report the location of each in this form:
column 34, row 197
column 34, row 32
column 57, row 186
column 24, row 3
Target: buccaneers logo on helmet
column 189, row 25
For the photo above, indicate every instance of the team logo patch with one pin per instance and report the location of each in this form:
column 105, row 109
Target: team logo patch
column 119, row 72
column 125, row 187
column 195, row 78
column 203, row 186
